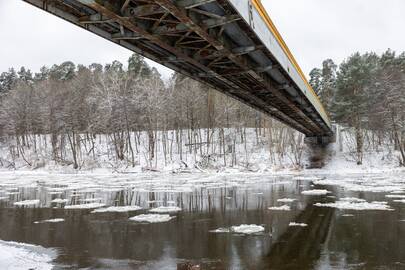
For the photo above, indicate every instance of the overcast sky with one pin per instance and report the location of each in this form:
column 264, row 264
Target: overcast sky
column 313, row 29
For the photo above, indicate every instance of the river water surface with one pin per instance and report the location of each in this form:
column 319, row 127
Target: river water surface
column 370, row 237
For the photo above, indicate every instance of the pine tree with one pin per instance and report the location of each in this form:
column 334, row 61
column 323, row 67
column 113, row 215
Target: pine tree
column 328, row 84
column 351, row 101
column 7, row 80
column 25, row 75
column 316, row 79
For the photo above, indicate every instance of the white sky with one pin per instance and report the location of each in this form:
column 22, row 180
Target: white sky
column 313, row 29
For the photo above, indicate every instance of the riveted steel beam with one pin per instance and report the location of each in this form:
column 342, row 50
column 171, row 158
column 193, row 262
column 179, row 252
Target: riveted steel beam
column 192, row 3
column 241, row 61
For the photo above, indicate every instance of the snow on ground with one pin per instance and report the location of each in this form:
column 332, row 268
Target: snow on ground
column 54, row 220
column 295, row 224
column 91, row 200
column 17, row 256
column 165, row 209
column 315, row 192
column 118, row 209
column 280, row 208
column 247, row 229
column 27, row 203
column 358, row 205
column 152, row 218
column 85, row 206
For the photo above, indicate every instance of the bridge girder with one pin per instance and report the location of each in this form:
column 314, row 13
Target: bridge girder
column 194, row 41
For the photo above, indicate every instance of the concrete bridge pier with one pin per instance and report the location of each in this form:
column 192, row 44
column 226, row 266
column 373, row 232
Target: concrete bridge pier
column 320, row 149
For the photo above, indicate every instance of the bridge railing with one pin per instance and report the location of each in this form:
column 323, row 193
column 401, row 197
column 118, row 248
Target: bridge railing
column 255, row 14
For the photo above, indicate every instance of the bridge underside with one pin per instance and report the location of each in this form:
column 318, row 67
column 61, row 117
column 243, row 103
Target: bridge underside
column 204, row 39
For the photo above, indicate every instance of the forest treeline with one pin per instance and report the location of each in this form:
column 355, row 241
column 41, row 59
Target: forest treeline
column 72, row 105
column 70, row 109
column 366, row 93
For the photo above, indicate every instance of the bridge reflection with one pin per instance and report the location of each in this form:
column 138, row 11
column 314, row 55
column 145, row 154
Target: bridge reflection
column 300, row 247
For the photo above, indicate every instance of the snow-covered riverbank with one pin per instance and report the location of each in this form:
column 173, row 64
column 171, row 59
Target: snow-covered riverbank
column 19, row 256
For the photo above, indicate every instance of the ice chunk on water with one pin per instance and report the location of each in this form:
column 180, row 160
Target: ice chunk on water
column 399, row 201
column 395, row 196
column 295, row 224
column 118, row 209
column 59, row 201
column 165, row 209
column 55, row 220
column 352, row 199
column 247, row 229
column 152, row 218
column 358, row 206
column 286, row 200
column 315, row 192
column 27, row 203
column 85, row 206
column 280, row 208
column 221, row 230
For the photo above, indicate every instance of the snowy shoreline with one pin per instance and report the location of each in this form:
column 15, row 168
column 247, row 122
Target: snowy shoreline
column 20, row 256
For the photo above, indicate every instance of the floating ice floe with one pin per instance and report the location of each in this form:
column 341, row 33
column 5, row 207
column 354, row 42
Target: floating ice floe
column 352, row 199
column 398, row 192
column 118, row 209
column 221, row 230
column 247, row 229
column 357, row 205
column 165, row 209
column 60, row 201
column 295, row 224
column 348, row 215
column 241, row 229
column 27, row 203
column 399, row 201
column 85, row 206
column 286, row 200
column 152, row 218
column 18, row 256
column 395, row 196
column 280, row 208
column 315, row 192
column 361, row 185
column 55, row 220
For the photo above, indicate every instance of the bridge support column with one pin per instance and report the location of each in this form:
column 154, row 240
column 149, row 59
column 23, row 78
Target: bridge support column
column 319, row 149
column 320, row 140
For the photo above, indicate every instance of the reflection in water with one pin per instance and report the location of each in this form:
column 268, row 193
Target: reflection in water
column 367, row 240
column 300, row 247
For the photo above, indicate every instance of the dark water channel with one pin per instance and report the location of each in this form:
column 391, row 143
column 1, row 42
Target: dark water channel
column 332, row 239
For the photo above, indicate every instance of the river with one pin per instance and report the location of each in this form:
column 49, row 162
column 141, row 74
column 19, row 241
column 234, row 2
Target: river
column 309, row 231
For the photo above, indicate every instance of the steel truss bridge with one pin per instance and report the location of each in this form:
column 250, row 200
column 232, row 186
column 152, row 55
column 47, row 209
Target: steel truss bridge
column 232, row 45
